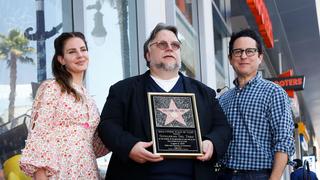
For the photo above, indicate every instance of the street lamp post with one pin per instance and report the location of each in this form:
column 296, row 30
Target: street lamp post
column 99, row 32
column 40, row 36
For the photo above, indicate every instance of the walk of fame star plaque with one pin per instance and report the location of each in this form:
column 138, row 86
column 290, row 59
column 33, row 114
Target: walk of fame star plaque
column 174, row 124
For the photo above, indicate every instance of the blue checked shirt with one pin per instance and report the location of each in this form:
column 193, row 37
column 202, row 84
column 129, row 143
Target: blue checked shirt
column 261, row 118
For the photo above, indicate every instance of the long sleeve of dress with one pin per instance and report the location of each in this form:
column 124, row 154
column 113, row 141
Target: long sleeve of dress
column 40, row 150
column 98, row 146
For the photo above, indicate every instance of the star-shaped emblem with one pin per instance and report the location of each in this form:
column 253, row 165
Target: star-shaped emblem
column 173, row 113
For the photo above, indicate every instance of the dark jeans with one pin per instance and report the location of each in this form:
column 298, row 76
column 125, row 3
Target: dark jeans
column 249, row 175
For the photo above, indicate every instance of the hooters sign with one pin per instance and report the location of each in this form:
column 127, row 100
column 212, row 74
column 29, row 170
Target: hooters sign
column 295, row 83
column 261, row 14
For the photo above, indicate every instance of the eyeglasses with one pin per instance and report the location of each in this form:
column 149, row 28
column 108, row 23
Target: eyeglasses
column 249, row 52
column 175, row 45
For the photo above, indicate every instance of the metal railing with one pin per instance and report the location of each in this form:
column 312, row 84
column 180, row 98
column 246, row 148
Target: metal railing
column 12, row 138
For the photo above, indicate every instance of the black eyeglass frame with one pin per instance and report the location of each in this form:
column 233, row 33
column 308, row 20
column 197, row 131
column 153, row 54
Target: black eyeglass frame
column 248, row 51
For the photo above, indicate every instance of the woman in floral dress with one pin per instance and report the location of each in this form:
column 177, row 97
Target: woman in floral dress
column 62, row 143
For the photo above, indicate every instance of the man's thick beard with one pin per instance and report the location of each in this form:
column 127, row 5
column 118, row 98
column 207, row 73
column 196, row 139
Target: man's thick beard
column 168, row 67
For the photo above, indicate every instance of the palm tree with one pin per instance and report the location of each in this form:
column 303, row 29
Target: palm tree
column 14, row 47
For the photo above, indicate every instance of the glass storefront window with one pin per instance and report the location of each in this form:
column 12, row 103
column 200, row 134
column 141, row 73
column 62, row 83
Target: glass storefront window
column 26, row 49
column 189, row 38
column 221, row 64
column 111, row 36
column 221, row 5
column 220, row 49
column 185, row 6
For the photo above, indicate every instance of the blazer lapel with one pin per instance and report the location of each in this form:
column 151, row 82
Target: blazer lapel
column 187, row 84
column 191, row 89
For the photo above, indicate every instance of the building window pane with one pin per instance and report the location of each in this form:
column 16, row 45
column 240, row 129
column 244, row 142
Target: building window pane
column 220, row 49
column 221, row 7
column 189, row 37
column 111, row 36
column 221, row 61
column 185, row 6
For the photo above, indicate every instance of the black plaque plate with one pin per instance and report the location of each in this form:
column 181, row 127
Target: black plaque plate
column 174, row 124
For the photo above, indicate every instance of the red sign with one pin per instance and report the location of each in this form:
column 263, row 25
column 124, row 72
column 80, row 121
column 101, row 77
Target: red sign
column 261, row 14
column 295, row 83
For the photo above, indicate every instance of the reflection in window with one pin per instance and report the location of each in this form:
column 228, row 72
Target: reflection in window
column 185, row 6
column 219, row 49
column 26, row 49
column 189, row 39
column 110, row 33
column 221, row 5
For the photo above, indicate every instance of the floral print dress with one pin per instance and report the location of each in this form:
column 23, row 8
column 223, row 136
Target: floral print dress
column 62, row 136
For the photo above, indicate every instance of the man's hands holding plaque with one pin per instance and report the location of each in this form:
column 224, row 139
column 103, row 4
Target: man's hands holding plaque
column 207, row 149
column 140, row 154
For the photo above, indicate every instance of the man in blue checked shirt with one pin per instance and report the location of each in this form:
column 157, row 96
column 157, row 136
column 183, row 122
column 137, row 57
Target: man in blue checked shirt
column 260, row 114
